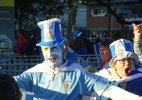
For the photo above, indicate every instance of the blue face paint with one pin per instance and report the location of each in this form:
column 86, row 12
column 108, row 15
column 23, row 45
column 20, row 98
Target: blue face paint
column 61, row 46
column 54, row 55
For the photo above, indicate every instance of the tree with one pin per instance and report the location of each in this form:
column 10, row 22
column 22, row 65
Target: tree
column 32, row 11
column 73, row 7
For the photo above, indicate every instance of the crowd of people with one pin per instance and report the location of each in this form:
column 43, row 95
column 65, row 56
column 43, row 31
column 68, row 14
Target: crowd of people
column 23, row 46
column 64, row 75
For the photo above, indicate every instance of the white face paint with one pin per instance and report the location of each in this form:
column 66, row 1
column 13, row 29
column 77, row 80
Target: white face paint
column 53, row 55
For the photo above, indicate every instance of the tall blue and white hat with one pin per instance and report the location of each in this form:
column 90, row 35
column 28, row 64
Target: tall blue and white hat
column 50, row 32
column 122, row 48
column 77, row 33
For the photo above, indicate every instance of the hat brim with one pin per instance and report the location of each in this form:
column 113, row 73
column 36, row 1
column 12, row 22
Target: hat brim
column 50, row 44
column 127, row 54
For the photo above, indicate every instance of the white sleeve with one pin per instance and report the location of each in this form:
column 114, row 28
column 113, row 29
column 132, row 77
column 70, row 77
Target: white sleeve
column 116, row 93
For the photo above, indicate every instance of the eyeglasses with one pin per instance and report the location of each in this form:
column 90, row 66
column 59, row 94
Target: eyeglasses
column 123, row 61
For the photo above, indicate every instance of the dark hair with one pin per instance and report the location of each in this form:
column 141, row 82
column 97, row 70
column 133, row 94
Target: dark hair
column 97, row 40
column 9, row 89
column 78, row 43
column 106, row 43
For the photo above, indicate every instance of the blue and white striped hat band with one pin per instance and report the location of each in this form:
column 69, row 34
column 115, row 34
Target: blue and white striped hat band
column 122, row 48
column 77, row 33
column 50, row 32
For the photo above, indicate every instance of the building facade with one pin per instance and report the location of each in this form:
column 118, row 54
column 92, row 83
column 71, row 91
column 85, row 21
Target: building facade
column 102, row 23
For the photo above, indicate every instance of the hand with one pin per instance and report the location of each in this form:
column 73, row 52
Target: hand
column 137, row 30
column 139, row 98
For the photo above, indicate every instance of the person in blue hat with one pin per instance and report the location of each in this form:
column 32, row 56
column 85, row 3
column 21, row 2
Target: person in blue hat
column 124, row 67
column 58, row 78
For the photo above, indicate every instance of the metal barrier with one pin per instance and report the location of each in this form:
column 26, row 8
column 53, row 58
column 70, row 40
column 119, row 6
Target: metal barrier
column 94, row 60
column 16, row 64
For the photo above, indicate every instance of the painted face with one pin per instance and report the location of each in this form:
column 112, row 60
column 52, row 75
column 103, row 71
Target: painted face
column 105, row 54
column 53, row 55
column 124, row 66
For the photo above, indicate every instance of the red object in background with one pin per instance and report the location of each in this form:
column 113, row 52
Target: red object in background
column 19, row 43
column 103, row 63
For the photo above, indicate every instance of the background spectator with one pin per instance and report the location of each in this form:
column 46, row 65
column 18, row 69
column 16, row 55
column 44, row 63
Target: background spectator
column 79, row 46
column 105, row 53
column 30, row 48
column 70, row 54
column 20, row 40
column 88, row 44
column 97, row 50
column 97, row 46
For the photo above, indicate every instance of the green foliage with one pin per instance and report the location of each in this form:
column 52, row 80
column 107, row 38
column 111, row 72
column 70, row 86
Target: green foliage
column 27, row 11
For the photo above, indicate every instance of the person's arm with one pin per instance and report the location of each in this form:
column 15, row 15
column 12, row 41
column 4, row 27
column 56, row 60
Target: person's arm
column 137, row 46
column 24, row 82
column 137, row 40
column 116, row 93
column 100, row 86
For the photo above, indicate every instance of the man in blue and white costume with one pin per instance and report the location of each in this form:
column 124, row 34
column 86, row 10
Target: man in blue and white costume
column 57, row 78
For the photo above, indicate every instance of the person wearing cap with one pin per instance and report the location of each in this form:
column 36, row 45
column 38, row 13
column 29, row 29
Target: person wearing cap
column 137, row 40
column 58, row 78
column 124, row 68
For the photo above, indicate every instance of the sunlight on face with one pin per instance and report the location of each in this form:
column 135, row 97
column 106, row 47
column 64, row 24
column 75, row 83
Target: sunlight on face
column 52, row 55
column 49, row 50
column 124, row 66
column 105, row 54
